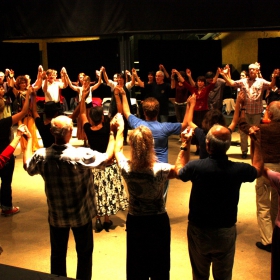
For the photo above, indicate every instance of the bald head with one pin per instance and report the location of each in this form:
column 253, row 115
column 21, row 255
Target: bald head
column 274, row 110
column 218, row 140
column 61, row 128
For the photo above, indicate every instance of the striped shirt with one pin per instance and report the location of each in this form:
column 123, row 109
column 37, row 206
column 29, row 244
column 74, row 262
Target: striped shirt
column 66, row 171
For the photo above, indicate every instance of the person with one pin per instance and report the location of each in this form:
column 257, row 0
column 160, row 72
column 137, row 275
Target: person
column 243, row 74
column 181, row 96
column 7, row 153
column 266, row 196
column 161, row 131
column 215, row 97
column 127, row 86
column 44, row 124
column 213, row 202
column 212, row 117
column 110, row 191
column 4, row 85
column 6, row 173
column 85, row 88
column 159, row 90
column 147, row 224
column 52, row 87
column 274, row 179
column 20, row 88
column 66, row 171
column 253, row 88
column 202, row 92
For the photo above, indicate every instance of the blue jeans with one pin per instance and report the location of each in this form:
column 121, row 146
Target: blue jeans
column 6, row 175
column 84, row 246
column 216, row 246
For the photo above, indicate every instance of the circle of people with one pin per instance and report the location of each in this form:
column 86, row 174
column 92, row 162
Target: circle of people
column 86, row 182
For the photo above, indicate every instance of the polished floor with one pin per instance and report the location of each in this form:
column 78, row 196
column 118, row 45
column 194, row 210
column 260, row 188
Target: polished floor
column 25, row 236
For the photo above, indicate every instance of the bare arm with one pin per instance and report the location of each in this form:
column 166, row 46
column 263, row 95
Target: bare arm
column 118, row 150
column 140, row 83
column 27, row 153
column 118, row 100
column 162, row 68
column 189, row 75
column 105, row 76
column 188, row 118
column 83, row 114
column 34, row 106
column 184, row 155
column 257, row 160
column 23, row 112
column 75, row 88
column 126, row 110
column 239, row 102
column 98, row 82
column 229, row 81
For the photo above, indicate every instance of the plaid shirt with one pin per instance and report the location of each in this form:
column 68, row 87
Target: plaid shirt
column 254, row 93
column 66, row 171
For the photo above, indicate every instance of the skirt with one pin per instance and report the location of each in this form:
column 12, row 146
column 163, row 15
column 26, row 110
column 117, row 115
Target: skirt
column 110, row 191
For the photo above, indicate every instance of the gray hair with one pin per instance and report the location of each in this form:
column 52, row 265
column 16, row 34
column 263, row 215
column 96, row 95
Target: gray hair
column 273, row 108
column 216, row 145
column 160, row 72
column 60, row 132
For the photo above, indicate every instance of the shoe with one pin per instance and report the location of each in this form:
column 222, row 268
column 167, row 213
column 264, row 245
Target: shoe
column 125, row 143
column 107, row 225
column 264, row 247
column 10, row 212
column 180, row 140
column 98, row 225
column 244, row 156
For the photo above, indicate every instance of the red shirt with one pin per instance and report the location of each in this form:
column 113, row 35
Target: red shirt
column 5, row 156
column 202, row 97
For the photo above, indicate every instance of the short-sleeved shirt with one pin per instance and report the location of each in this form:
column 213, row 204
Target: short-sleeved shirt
column 215, row 189
column 98, row 139
column 52, row 93
column 254, row 91
column 66, row 171
column 161, row 92
column 145, row 189
column 161, row 132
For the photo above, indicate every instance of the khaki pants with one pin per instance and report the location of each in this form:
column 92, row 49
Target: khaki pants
column 253, row 119
column 267, row 205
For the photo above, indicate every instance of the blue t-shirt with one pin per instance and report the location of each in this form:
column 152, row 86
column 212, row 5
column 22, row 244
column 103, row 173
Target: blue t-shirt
column 161, row 132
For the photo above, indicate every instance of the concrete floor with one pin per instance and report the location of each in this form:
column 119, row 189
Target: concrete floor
column 25, row 236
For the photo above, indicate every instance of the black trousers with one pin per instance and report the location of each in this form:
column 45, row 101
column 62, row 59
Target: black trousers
column 148, row 247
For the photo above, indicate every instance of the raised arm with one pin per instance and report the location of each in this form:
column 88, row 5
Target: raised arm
column 34, row 106
column 118, row 99
column 75, row 88
column 126, row 110
column 257, row 160
column 105, row 76
column 118, row 150
column 189, row 75
column 83, row 114
column 95, row 86
column 63, row 74
column 23, row 112
column 38, row 83
column 162, row 68
column 135, row 75
column 184, row 154
column 238, row 106
column 227, row 78
column 188, row 118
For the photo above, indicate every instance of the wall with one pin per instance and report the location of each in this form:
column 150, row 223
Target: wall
column 242, row 47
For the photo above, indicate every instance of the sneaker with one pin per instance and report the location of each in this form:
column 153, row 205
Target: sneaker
column 10, row 212
column 264, row 247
